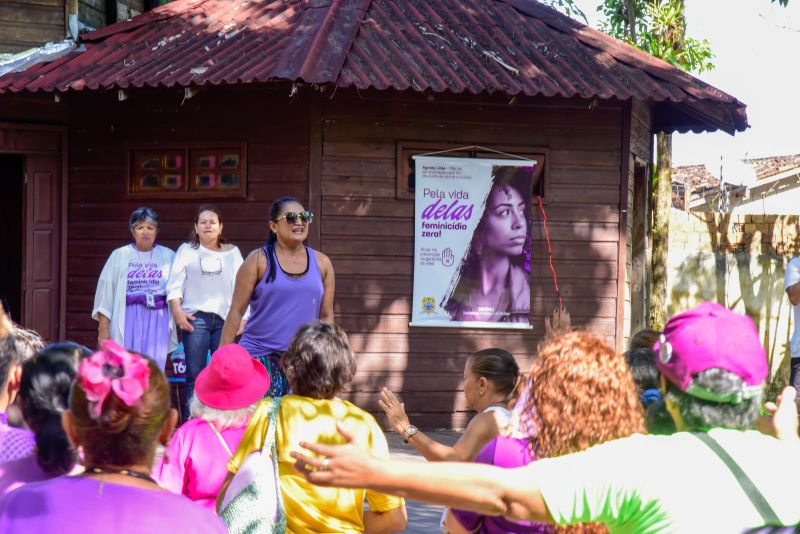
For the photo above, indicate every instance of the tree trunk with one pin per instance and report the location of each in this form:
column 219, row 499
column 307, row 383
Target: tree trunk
column 662, row 192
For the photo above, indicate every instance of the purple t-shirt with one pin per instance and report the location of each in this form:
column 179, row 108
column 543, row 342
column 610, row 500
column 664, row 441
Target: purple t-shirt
column 19, row 472
column 507, row 452
column 15, row 443
column 81, row 505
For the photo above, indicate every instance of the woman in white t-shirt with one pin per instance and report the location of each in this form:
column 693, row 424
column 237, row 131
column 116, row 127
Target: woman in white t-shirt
column 199, row 292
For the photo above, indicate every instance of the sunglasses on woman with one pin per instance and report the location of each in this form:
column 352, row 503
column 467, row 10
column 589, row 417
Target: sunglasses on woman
column 291, row 217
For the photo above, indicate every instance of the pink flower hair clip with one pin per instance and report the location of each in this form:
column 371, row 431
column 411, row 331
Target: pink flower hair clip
column 113, row 369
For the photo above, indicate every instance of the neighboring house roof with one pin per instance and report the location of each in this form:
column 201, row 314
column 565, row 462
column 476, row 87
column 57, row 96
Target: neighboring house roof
column 704, row 187
column 694, row 177
column 699, row 177
column 459, row 46
column 766, row 167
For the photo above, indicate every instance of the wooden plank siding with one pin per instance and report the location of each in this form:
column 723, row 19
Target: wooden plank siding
column 369, row 234
column 274, row 128
column 338, row 154
column 28, row 23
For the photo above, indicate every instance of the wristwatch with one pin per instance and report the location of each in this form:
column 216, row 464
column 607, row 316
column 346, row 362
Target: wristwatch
column 408, row 433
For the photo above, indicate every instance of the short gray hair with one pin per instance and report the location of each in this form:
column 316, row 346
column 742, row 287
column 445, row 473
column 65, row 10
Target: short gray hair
column 143, row 214
column 221, row 419
column 699, row 414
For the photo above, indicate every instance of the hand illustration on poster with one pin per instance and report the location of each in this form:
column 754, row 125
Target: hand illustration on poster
column 472, row 242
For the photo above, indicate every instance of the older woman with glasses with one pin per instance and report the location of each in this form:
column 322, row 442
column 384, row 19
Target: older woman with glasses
column 130, row 304
column 286, row 284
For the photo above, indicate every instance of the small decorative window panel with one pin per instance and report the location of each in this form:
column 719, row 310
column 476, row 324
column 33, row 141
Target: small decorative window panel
column 158, row 170
column 214, row 170
column 218, row 169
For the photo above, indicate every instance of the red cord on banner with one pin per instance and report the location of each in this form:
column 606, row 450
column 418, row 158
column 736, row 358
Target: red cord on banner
column 550, row 251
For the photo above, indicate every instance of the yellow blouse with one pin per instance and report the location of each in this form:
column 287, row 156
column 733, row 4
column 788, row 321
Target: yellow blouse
column 313, row 509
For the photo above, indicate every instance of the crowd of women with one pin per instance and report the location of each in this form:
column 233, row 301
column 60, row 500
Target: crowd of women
column 267, row 444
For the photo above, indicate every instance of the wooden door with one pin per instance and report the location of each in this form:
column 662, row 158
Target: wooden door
column 41, row 281
column 639, row 247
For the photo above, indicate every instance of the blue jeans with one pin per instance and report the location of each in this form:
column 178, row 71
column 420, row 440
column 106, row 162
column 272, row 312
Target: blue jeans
column 794, row 377
column 206, row 335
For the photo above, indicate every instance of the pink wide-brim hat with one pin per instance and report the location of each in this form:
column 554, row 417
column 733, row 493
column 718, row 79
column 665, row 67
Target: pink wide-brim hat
column 232, row 380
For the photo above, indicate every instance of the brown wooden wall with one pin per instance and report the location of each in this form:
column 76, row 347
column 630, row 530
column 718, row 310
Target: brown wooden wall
column 343, row 148
column 369, row 233
column 276, row 132
column 28, row 23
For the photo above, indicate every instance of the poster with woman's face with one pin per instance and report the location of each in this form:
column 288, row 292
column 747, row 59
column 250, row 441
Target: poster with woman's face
column 472, row 242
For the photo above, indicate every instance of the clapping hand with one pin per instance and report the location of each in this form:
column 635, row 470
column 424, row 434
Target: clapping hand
column 559, row 324
column 394, row 409
column 782, row 419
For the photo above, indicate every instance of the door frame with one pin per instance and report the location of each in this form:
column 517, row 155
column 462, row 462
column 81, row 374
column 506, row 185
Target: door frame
column 12, row 142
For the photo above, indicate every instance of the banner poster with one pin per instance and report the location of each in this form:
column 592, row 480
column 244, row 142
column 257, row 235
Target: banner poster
column 472, row 242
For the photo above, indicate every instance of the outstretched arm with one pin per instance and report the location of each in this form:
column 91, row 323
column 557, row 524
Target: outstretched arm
column 480, row 431
column 481, row 488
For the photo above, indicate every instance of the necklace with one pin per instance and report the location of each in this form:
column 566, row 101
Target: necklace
column 139, row 257
column 126, row 472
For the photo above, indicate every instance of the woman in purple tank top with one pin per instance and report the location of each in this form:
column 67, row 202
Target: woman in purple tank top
column 286, row 284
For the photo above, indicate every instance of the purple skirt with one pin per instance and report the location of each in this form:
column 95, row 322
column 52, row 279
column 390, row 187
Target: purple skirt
column 147, row 332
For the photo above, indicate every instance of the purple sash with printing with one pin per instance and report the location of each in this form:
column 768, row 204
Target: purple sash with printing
column 159, row 301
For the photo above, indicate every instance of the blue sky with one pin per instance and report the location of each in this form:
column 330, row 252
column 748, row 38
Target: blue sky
column 756, row 46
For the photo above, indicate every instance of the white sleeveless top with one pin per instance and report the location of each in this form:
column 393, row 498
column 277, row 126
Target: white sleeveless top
column 502, row 414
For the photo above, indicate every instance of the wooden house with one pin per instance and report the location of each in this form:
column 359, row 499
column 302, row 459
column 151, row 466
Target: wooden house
column 328, row 101
column 26, row 24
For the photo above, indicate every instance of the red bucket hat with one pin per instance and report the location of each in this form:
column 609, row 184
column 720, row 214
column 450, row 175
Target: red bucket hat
column 710, row 336
column 232, row 380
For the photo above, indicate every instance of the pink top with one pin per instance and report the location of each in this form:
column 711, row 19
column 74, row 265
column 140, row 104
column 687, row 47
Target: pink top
column 195, row 462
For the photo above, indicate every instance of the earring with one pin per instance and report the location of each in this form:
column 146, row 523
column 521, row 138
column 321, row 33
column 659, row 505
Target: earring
column 482, row 392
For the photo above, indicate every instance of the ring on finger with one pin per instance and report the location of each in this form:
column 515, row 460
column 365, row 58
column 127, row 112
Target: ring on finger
column 325, row 463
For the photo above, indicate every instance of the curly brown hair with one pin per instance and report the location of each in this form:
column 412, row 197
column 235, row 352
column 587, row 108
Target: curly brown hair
column 582, row 394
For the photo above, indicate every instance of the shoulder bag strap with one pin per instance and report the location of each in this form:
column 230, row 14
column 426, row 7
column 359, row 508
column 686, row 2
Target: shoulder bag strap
column 221, row 439
column 270, row 444
column 756, row 497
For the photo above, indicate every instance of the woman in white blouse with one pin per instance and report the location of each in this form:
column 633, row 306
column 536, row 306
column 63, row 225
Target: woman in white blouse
column 199, row 292
column 130, row 304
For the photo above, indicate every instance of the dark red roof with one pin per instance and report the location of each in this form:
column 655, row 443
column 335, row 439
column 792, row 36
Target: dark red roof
column 475, row 46
column 694, row 177
column 698, row 177
column 766, row 167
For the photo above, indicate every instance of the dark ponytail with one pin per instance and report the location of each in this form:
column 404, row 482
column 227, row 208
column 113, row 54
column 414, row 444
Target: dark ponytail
column 44, row 391
column 499, row 367
column 274, row 213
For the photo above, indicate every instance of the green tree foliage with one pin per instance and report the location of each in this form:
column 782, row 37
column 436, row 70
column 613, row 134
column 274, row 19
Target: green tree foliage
column 659, row 28
column 569, row 8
